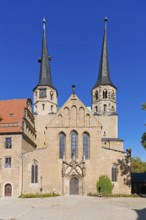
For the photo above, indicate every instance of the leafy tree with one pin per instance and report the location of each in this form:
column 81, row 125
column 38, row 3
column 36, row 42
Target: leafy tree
column 137, row 166
column 104, row 185
column 144, row 106
column 143, row 138
column 144, row 166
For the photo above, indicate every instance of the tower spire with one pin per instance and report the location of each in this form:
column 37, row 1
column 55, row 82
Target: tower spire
column 45, row 94
column 45, row 71
column 104, row 74
column 104, row 91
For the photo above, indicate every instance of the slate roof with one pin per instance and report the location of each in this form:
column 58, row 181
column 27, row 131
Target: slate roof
column 45, row 78
column 104, row 73
column 11, row 114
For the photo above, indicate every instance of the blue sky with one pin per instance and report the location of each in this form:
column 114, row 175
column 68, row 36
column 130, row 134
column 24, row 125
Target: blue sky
column 75, row 33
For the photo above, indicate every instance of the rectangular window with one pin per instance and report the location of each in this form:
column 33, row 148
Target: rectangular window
column 8, row 162
column 8, row 143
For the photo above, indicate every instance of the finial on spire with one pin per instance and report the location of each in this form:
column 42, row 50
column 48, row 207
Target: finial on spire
column 105, row 22
column 73, row 89
column 105, row 19
column 44, row 23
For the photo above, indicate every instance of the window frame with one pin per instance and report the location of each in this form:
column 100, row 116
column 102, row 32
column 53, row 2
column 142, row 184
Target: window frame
column 8, row 162
column 74, row 144
column 114, row 174
column 105, row 94
column 62, row 145
column 96, row 95
column 86, row 152
column 51, row 96
column 8, row 143
column 34, row 172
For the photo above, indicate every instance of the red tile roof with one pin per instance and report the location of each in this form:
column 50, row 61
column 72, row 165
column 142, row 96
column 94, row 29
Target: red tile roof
column 11, row 115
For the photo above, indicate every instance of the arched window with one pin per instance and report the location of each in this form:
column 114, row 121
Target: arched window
column 113, row 109
column 114, row 174
column 43, row 106
column 74, row 142
column 105, row 108
column 96, row 95
column 105, row 94
column 113, row 95
column 51, row 108
column 86, row 143
column 51, row 95
column 34, row 172
column 62, row 141
column 96, row 109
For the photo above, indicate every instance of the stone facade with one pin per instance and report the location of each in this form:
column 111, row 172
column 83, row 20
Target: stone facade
column 65, row 150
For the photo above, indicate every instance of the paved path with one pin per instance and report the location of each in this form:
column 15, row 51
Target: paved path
column 73, row 208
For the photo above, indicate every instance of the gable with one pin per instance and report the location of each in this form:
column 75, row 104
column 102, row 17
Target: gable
column 74, row 114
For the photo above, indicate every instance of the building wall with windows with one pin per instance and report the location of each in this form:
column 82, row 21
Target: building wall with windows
column 17, row 135
column 72, row 148
column 10, row 166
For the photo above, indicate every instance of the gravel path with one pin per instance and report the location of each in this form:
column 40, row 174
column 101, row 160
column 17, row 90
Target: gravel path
column 73, row 208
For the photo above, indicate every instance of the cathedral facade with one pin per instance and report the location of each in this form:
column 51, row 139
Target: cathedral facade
column 65, row 150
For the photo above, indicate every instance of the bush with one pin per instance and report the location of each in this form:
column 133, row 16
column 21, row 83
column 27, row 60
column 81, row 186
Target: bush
column 104, row 185
column 38, row 195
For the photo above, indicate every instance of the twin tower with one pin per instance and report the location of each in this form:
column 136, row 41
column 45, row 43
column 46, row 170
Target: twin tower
column 103, row 92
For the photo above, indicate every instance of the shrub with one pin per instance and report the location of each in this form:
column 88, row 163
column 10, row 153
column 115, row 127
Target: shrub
column 104, row 185
column 38, row 195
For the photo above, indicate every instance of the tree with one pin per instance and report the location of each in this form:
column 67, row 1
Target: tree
column 104, row 185
column 144, row 106
column 137, row 166
column 143, row 138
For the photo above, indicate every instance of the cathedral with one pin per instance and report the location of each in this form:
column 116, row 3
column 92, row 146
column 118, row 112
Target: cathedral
column 45, row 148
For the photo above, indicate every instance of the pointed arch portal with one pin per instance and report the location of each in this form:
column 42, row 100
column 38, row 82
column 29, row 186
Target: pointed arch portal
column 74, row 186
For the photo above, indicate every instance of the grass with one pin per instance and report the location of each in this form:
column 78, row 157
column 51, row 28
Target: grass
column 39, row 195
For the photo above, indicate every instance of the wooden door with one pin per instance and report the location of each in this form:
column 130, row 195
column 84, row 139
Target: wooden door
column 74, row 186
column 8, row 190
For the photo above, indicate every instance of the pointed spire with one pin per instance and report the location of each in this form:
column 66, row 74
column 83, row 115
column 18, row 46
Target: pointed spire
column 45, row 72
column 104, row 75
